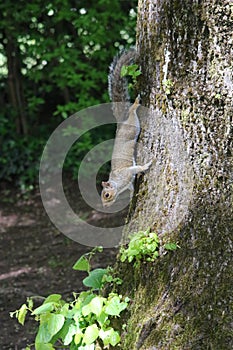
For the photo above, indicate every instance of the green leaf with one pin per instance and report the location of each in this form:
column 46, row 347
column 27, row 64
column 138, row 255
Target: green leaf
column 44, row 308
column 137, row 73
column 43, row 346
column 94, row 280
column 82, row 264
column 30, row 303
column 43, row 336
column 96, row 305
column 102, row 318
column 22, row 314
column 55, row 323
column 124, row 71
column 52, row 298
column 110, row 337
column 86, row 310
column 91, row 334
column 123, row 256
column 82, row 306
column 98, row 249
column 131, row 257
column 132, row 68
column 65, row 310
column 14, row 313
column 78, row 337
column 63, row 331
column 115, row 306
column 87, row 347
column 50, row 325
column 69, row 336
column 170, row 246
column 84, row 299
column 114, row 338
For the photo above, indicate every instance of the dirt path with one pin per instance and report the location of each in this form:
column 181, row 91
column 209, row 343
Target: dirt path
column 35, row 259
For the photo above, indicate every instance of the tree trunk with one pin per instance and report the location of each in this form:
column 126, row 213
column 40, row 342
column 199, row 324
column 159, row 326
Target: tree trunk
column 15, row 88
column 184, row 299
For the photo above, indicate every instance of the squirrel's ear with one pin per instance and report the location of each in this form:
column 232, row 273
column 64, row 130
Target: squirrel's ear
column 105, row 184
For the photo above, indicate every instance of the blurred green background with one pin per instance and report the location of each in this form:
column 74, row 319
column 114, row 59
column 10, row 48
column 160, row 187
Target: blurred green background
column 54, row 61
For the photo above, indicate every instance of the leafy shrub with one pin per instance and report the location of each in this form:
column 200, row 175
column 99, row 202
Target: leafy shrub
column 144, row 246
column 81, row 323
column 19, row 160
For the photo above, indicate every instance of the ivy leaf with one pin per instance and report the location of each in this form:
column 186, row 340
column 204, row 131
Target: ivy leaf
column 124, row 71
column 86, row 310
column 69, row 335
column 78, row 337
column 43, row 336
column 96, row 305
column 91, row 334
column 137, row 73
column 114, row 338
column 43, row 346
column 64, row 332
column 52, row 298
column 87, row 347
column 30, row 303
column 65, row 310
column 44, row 308
column 102, row 318
column 22, row 314
column 131, row 69
column 94, row 280
column 109, row 337
column 82, row 264
column 50, row 325
column 55, row 323
column 115, row 306
column 170, row 246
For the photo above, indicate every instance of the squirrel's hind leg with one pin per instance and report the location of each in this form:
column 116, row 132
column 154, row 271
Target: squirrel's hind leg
column 136, row 169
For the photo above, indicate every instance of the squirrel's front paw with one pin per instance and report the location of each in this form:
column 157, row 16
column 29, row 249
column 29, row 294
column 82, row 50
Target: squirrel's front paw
column 147, row 165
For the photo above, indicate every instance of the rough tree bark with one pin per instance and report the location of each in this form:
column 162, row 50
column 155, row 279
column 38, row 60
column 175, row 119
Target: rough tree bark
column 184, row 299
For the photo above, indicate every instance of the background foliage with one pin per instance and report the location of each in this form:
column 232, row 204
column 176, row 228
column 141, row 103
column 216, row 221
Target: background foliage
column 54, row 59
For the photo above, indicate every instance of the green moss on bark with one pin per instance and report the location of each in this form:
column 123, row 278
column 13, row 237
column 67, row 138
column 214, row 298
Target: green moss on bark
column 184, row 300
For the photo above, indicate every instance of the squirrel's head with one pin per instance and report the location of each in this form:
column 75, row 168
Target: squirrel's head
column 108, row 194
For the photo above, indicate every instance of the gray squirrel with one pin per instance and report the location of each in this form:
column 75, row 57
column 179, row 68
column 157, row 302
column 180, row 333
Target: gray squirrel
column 123, row 166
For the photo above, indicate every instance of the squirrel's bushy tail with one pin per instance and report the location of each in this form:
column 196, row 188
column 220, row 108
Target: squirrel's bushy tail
column 118, row 86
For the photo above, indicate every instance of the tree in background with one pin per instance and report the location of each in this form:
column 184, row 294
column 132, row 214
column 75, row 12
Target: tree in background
column 54, row 62
column 184, row 299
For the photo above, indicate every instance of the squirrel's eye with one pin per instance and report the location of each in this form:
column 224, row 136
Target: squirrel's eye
column 106, row 195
